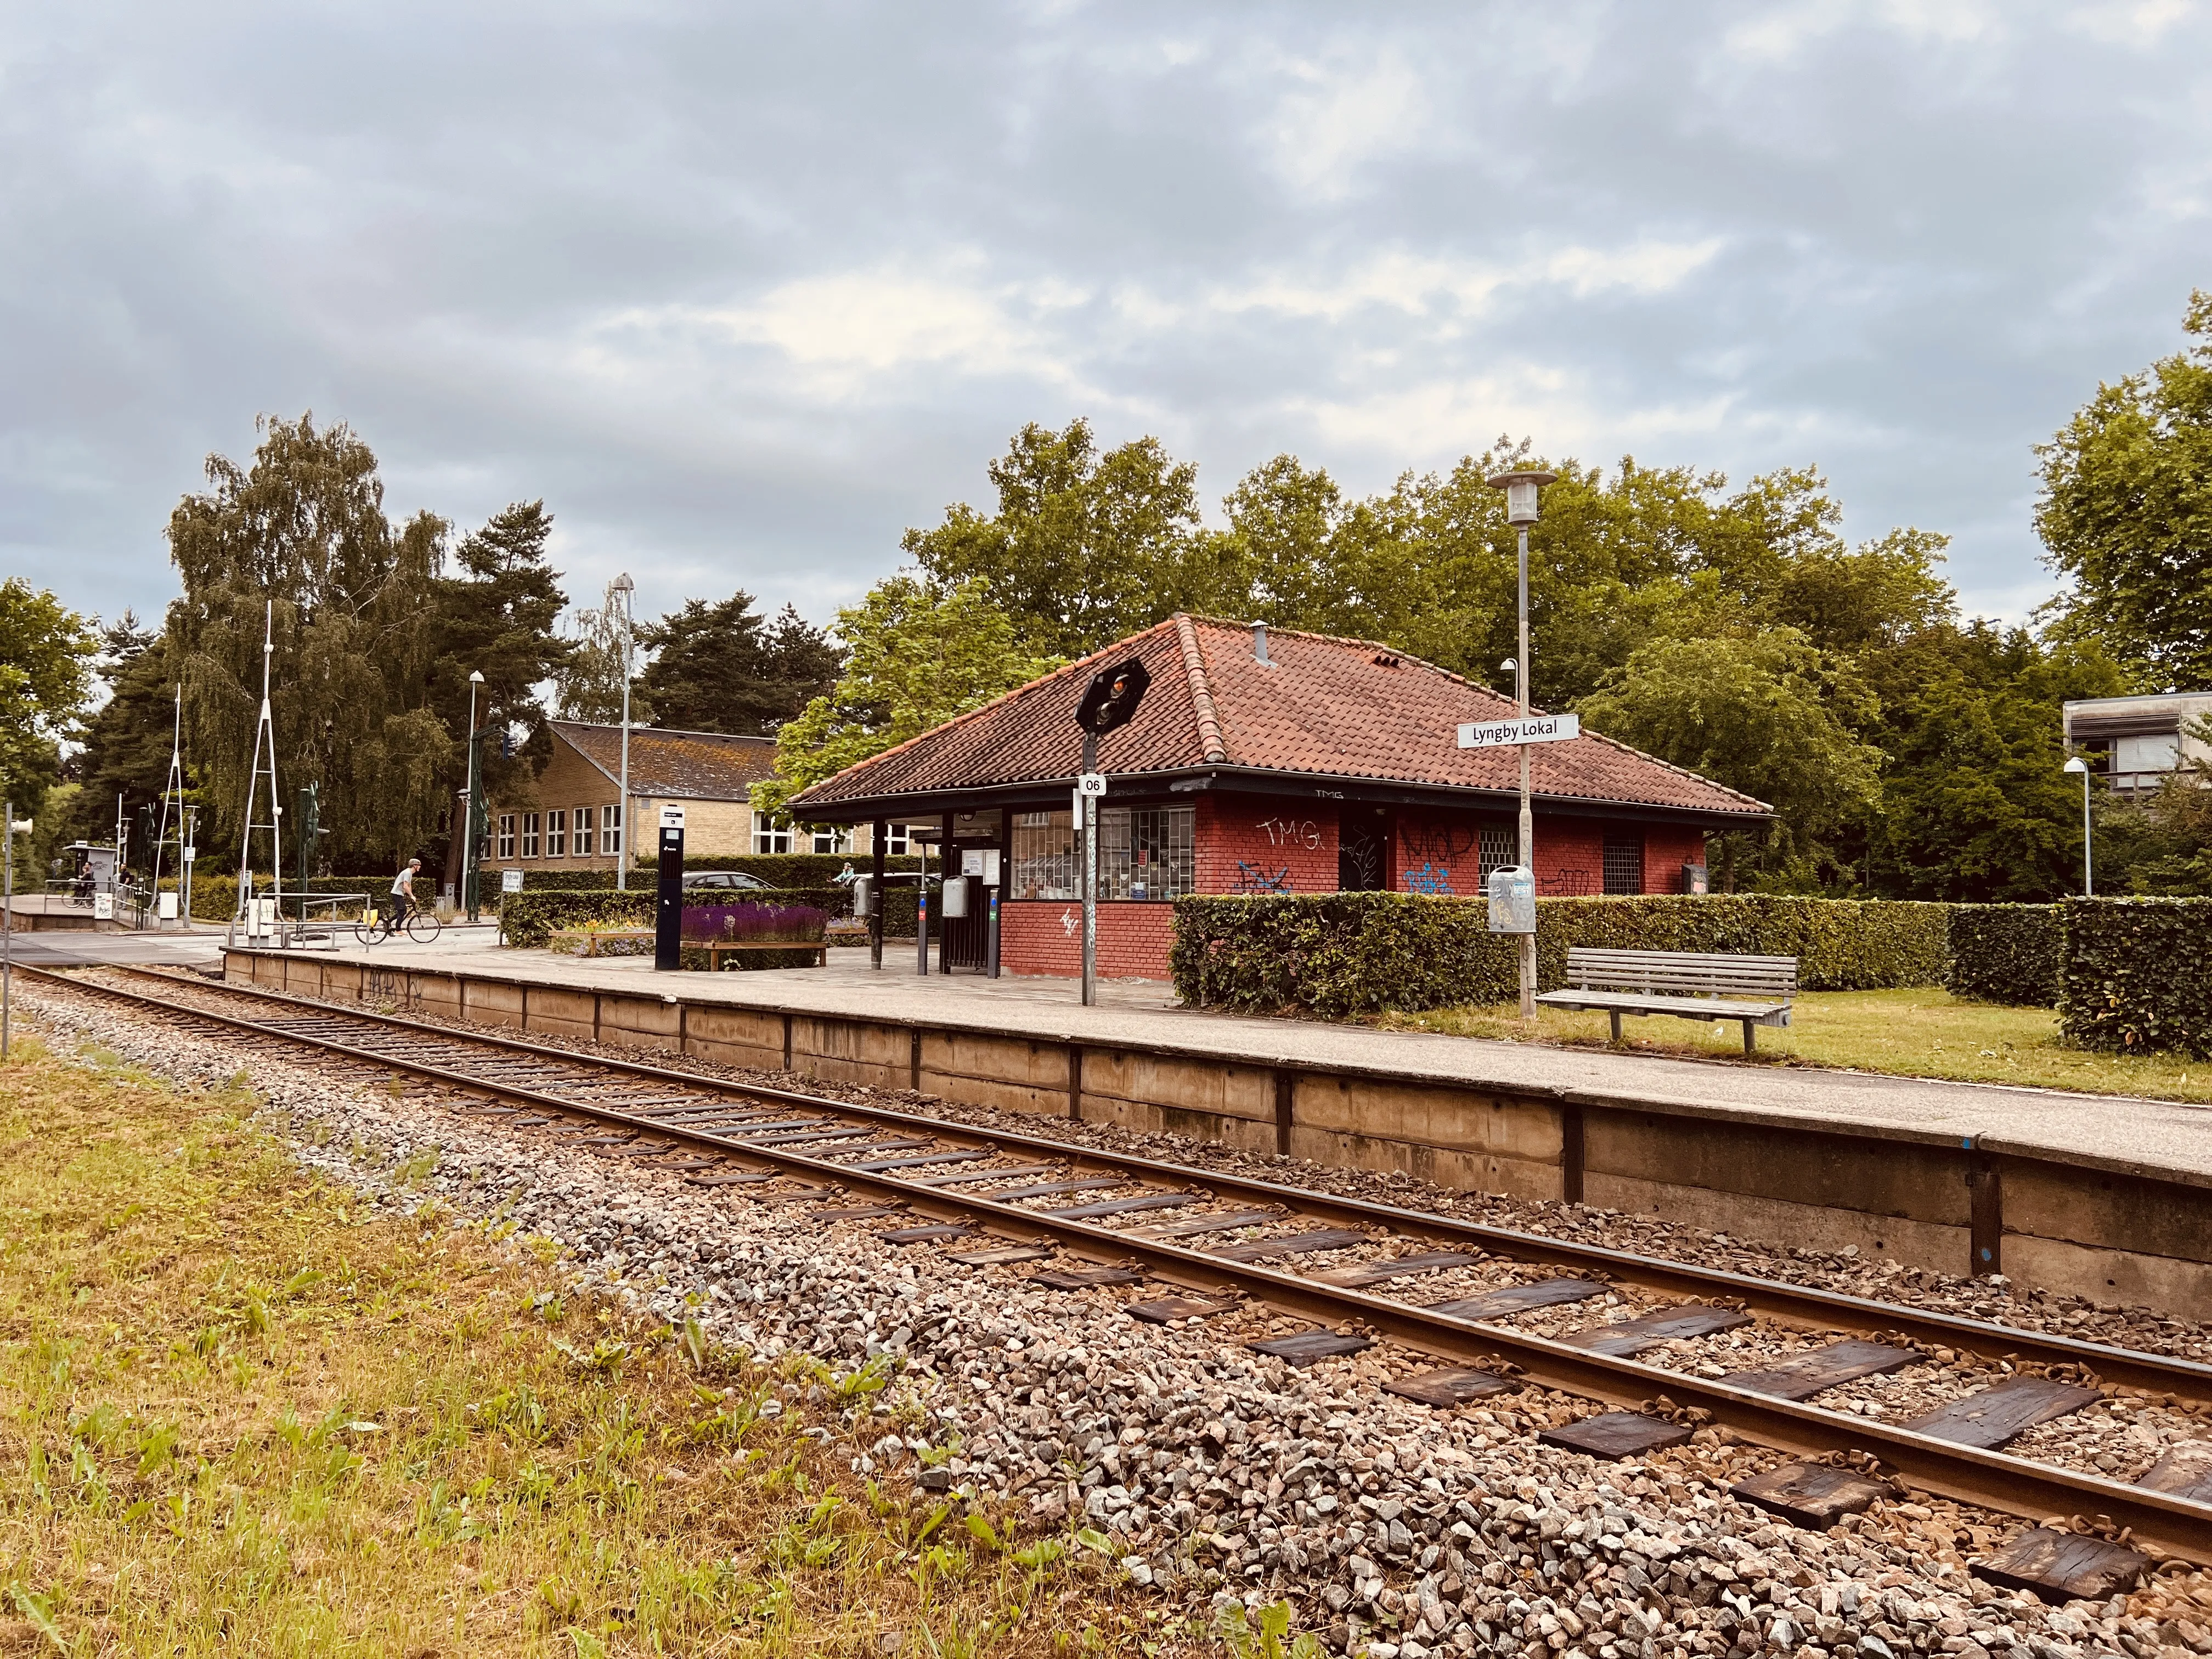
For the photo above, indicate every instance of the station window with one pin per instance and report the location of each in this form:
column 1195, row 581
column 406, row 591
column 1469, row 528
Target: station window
column 771, row 838
column 896, row 843
column 583, row 815
column 1497, row 848
column 830, row 839
column 506, row 835
column 1624, row 862
column 530, row 835
column 1145, row 854
column 557, row 833
column 611, row 831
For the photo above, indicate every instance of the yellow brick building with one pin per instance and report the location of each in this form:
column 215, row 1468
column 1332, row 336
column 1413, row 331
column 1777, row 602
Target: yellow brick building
column 569, row 817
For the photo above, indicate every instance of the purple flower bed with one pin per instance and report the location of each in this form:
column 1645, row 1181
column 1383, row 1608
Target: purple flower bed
column 769, row 921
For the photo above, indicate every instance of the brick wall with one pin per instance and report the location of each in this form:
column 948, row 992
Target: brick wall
column 1667, row 848
column 1440, row 852
column 1045, row 936
column 1569, row 856
column 1266, row 844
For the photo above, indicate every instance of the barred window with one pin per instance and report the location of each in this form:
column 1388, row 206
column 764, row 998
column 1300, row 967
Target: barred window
column 1145, row 854
column 1624, row 862
column 1499, row 848
column 1044, row 857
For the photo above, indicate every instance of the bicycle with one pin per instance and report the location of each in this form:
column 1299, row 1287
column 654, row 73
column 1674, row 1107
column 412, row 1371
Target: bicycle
column 375, row 927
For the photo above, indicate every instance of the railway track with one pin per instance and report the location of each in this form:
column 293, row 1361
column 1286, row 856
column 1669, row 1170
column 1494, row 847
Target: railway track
column 990, row 1194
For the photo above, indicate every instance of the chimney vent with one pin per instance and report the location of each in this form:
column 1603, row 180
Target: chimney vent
column 1260, row 643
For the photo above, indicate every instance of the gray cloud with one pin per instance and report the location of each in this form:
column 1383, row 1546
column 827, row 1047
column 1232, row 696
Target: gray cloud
column 744, row 292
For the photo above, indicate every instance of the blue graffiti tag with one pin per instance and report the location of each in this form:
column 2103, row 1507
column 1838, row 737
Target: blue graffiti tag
column 1429, row 878
column 1251, row 878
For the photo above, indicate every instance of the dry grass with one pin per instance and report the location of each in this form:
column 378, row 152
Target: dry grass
column 1914, row 1033
column 243, row 1416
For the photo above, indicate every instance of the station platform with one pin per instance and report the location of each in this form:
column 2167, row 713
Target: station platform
column 2111, row 1196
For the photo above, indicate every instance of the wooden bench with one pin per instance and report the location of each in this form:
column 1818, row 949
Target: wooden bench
column 1754, row 990
column 716, row 947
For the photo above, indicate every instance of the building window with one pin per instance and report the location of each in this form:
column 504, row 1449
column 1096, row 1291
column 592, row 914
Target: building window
column 771, row 838
column 829, row 839
column 610, row 830
column 1145, row 854
column 530, row 835
column 506, row 835
column 1044, row 856
column 895, row 840
column 1496, row 847
column 557, row 833
column 1624, row 862
column 583, row 817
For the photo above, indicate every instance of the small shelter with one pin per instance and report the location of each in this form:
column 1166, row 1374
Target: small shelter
column 1264, row 761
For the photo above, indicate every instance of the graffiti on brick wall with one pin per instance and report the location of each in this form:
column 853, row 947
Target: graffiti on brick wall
column 1071, row 922
column 1438, row 844
column 1291, row 832
column 1253, row 878
column 1359, row 861
column 1428, row 879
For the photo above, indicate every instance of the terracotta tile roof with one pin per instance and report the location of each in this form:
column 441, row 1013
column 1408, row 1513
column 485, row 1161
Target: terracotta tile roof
column 1321, row 706
column 682, row 765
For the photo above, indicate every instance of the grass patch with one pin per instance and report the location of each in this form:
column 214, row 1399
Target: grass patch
column 240, row 1414
column 1910, row 1033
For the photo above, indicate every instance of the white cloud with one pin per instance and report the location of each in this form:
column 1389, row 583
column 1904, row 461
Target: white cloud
column 1339, row 114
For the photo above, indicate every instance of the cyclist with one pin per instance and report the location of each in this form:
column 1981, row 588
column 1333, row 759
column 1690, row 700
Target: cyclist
column 403, row 894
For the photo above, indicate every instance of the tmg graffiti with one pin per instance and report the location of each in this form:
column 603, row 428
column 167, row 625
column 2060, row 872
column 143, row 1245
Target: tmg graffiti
column 1251, row 878
column 1428, row 879
column 1291, row 832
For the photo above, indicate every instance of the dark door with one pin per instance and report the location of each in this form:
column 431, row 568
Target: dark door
column 1363, row 850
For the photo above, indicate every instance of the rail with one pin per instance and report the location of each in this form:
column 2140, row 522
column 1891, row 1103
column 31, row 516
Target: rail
column 473, row 1063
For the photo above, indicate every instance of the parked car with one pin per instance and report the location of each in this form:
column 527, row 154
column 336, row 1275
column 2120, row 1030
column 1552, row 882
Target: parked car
column 739, row 879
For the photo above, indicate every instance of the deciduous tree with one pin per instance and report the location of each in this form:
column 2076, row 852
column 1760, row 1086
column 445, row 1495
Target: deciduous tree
column 301, row 535
column 2126, row 514
column 918, row 654
column 46, row 657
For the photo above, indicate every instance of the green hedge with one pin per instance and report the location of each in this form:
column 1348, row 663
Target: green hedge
column 2006, row 953
column 780, row 869
column 2138, row 975
column 1338, row 954
column 528, row 919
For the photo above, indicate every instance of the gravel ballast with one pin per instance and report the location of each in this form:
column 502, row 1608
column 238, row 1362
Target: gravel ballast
column 1216, row 1473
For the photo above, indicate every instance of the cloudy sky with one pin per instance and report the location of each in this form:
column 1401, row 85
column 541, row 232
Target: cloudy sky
column 744, row 291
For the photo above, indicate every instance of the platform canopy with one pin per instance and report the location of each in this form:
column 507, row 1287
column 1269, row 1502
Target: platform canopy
column 1290, row 713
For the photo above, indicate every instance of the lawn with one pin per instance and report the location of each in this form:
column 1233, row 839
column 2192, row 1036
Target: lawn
column 1913, row 1033
column 242, row 1413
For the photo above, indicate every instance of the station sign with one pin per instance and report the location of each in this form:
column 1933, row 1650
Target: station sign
column 1514, row 731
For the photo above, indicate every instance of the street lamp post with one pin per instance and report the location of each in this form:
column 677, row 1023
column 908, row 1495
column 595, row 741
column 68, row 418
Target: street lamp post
column 1521, row 489
column 623, row 586
column 469, row 807
column 2075, row 764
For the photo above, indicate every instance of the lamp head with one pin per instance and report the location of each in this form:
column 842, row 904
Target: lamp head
column 2075, row 764
column 1521, row 489
column 623, row 584
column 1508, row 666
column 476, row 677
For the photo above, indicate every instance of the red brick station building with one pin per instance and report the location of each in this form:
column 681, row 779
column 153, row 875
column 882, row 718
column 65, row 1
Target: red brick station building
column 1262, row 762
